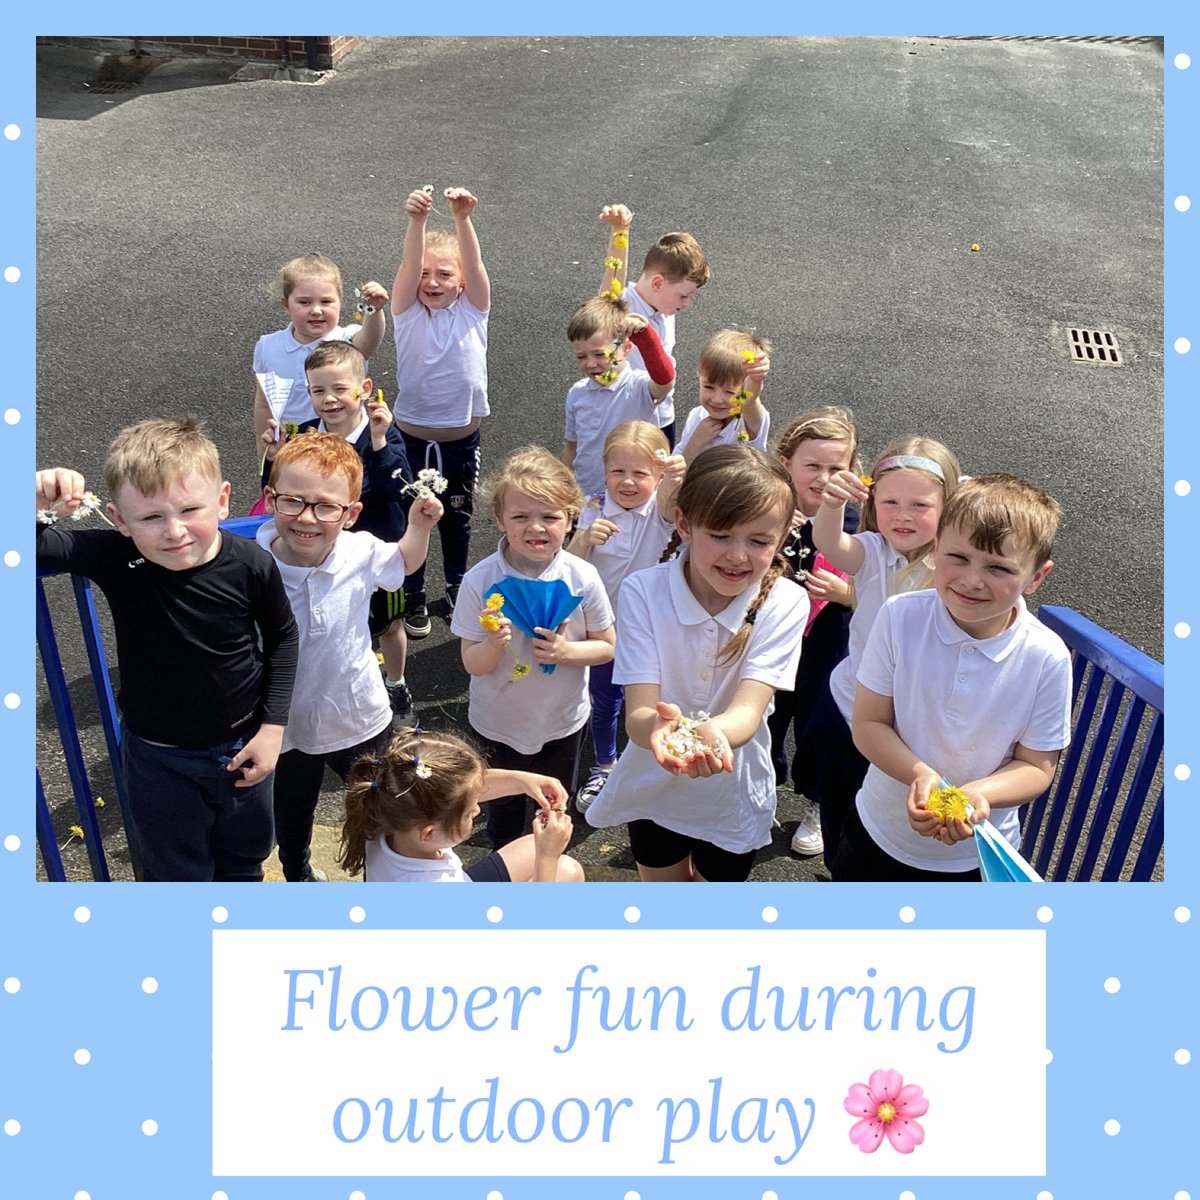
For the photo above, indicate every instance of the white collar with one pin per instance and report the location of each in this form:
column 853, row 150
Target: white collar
column 690, row 611
column 996, row 648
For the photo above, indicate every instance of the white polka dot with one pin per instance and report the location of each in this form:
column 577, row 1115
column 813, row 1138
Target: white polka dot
column 12, row 700
column 908, row 914
column 1183, row 772
column 12, row 132
column 83, row 1057
column 1182, row 203
column 12, row 274
column 12, row 415
column 1183, row 1196
column 495, row 914
column 1183, row 1057
column 1049, row 1057
column 12, row 842
column 1111, row 1127
column 357, row 914
column 908, row 1196
column 83, row 914
column 82, row 1196
column 633, row 1196
column 1045, row 914
column 770, row 1196
column 12, row 558
column 1183, row 914
column 1182, row 61
column 1182, row 345
column 357, row 1196
column 149, row 1128
column 12, row 985
column 1112, row 985
column 770, row 914
column 220, row 914
column 149, row 985
column 495, row 1196
column 1182, row 487
column 12, row 1127
column 633, row 914
column 1045, row 1196
column 1182, row 629
column 220, row 1196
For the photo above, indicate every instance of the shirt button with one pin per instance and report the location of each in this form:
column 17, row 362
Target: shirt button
column 968, row 649
column 316, row 612
column 705, row 675
column 962, row 679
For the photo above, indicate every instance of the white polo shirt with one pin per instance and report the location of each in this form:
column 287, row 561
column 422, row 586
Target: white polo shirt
column 441, row 364
column 962, row 706
column 667, row 638
column 384, row 865
column 339, row 698
column 664, row 326
column 527, row 713
column 594, row 410
column 728, row 435
column 643, row 536
column 872, row 586
column 280, row 353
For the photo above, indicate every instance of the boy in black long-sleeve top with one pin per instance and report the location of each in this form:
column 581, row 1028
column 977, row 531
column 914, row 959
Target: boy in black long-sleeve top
column 206, row 645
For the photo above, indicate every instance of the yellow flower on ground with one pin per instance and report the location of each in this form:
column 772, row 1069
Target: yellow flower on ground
column 947, row 803
column 974, row 245
column 520, row 670
column 98, row 802
column 77, row 831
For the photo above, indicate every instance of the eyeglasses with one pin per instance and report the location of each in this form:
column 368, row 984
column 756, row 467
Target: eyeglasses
column 324, row 510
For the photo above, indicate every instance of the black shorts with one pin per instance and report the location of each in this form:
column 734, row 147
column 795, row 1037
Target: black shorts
column 492, row 869
column 386, row 609
column 656, row 847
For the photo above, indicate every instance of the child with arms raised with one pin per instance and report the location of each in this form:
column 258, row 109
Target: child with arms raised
column 674, row 269
column 440, row 303
column 409, row 806
column 816, row 446
column 206, row 648
column 707, row 638
column 527, row 718
column 907, row 489
column 602, row 335
column 960, row 681
column 341, row 707
column 623, row 530
column 733, row 368
column 310, row 290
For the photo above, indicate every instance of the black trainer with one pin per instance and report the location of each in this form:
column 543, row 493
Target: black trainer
column 452, row 596
column 402, row 704
column 416, row 615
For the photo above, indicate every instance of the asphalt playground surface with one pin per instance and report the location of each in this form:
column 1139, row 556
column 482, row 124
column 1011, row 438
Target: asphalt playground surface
column 837, row 185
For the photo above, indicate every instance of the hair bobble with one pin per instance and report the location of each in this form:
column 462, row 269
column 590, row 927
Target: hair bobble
column 374, row 785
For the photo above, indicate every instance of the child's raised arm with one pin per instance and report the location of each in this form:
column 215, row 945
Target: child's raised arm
column 368, row 339
column 842, row 549
column 408, row 273
column 616, row 259
column 674, row 470
column 753, row 412
column 475, row 277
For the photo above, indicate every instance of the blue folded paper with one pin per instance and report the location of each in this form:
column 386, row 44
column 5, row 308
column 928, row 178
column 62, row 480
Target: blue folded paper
column 535, row 604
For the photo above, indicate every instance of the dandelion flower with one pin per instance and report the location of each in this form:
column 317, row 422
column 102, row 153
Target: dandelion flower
column 741, row 395
column 866, row 480
column 743, row 436
column 76, row 831
column 612, row 263
column 98, row 802
column 489, row 621
column 974, row 246
column 606, row 378
column 620, row 240
column 290, row 429
column 495, row 600
column 520, row 670
column 947, row 803
column 748, row 356
column 886, row 1107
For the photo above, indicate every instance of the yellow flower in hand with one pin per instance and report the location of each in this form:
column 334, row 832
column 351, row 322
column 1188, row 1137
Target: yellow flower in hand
column 743, row 436
column 495, row 601
column 489, row 621
column 520, row 670
column 606, row 378
column 866, row 480
column 947, row 803
column 748, row 356
column 611, row 263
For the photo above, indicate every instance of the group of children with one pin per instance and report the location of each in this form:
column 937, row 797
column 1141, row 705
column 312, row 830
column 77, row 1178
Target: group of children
column 720, row 591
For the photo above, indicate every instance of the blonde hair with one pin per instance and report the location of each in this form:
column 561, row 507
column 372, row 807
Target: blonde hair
column 828, row 423
column 306, row 266
column 721, row 358
column 442, row 242
column 990, row 509
column 534, row 471
column 155, row 453
column 918, row 573
column 420, row 779
column 326, row 453
column 728, row 486
column 639, row 434
column 677, row 256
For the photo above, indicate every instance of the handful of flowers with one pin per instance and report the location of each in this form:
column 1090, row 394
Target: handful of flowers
column 684, row 742
column 948, row 803
column 490, row 620
column 427, row 484
column 360, row 306
column 90, row 504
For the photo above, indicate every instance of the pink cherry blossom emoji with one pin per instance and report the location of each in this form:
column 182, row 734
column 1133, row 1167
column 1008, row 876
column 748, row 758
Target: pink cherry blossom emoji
column 886, row 1106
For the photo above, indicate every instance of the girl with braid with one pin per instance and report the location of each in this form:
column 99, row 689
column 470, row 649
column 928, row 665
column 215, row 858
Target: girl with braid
column 407, row 808
column 706, row 638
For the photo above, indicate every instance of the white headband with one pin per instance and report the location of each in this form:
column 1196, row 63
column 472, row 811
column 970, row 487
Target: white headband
column 910, row 460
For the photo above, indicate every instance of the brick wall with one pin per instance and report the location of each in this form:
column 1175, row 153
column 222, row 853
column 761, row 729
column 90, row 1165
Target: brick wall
column 329, row 50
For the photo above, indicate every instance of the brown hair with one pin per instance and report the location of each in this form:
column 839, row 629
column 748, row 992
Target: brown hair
column 337, row 354
column 990, row 509
column 326, row 453
column 420, row 779
column 727, row 486
column 307, row 266
column 829, row 423
column 677, row 256
column 721, row 358
column 600, row 314
column 153, row 454
column 536, row 472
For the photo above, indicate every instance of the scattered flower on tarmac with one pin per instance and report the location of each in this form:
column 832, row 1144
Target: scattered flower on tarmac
column 974, row 245
column 886, row 1108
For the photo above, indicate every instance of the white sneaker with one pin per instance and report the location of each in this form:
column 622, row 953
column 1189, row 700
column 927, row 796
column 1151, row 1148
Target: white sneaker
column 596, row 780
column 807, row 840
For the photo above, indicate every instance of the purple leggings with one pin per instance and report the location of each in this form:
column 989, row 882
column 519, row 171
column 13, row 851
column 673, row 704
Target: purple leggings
column 607, row 698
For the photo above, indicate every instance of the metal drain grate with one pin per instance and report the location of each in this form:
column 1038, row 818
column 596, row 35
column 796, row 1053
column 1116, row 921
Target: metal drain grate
column 111, row 87
column 1095, row 346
